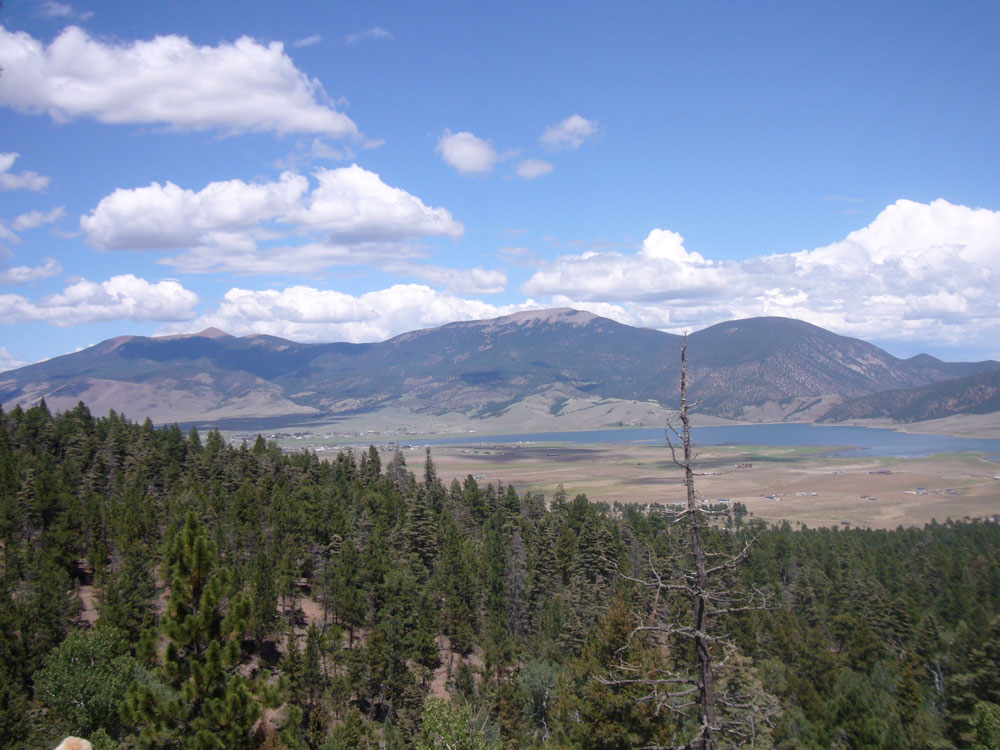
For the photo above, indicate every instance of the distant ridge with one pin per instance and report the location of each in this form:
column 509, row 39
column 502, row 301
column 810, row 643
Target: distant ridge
column 973, row 394
column 557, row 359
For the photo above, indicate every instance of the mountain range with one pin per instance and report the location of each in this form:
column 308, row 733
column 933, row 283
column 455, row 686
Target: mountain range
column 755, row 369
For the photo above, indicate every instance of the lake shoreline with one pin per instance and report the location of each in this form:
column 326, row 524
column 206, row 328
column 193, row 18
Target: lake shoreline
column 823, row 440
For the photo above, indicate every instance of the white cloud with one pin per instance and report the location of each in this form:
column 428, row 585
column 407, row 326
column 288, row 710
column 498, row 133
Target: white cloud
column 568, row 134
column 663, row 244
column 306, row 314
column 530, row 169
column 918, row 272
column 118, row 298
column 455, row 280
column 6, row 235
column 239, row 86
column 168, row 216
column 64, row 10
column 351, row 217
column 240, row 254
column 25, row 274
column 661, row 271
column 8, row 361
column 467, row 153
column 22, row 180
column 34, row 219
column 518, row 256
column 349, row 205
column 353, row 204
column 309, row 41
column 307, row 153
column 375, row 32
column 320, row 149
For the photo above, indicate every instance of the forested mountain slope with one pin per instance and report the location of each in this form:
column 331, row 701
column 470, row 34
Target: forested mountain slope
column 402, row 613
column 477, row 368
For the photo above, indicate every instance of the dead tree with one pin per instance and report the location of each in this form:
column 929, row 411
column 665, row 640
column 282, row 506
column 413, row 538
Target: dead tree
column 721, row 692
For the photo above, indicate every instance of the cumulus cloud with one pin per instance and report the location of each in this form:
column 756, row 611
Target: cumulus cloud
column 238, row 86
column 376, row 32
column 25, row 274
column 168, row 216
column 21, row 180
column 918, row 272
column 349, row 217
column 530, row 169
column 352, row 203
column 663, row 270
column 307, row 314
column 568, row 134
column 118, row 298
column 467, row 153
column 35, row 219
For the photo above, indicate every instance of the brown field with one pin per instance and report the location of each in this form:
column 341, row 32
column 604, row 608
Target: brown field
column 956, row 486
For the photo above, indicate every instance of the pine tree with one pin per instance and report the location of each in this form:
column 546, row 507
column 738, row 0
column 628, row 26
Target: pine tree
column 430, row 473
column 460, row 589
column 420, row 530
column 46, row 607
column 198, row 699
column 371, row 466
column 128, row 598
column 263, row 597
column 396, row 470
column 591, row 712
column 516, row 584
column 474, row 499
column 347, row 597
column 565, row 551
column 17, row 731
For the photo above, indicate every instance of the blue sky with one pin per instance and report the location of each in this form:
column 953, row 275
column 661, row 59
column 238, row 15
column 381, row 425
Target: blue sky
column 347, row 171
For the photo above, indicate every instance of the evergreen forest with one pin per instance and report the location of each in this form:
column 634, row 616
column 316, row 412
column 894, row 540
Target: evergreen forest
column 164, row 589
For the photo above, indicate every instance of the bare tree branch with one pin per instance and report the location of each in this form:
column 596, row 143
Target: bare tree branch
column 728, row 715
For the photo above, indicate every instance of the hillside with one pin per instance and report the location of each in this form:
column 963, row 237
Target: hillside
column 974, row 394
column 371, row 596
column 556, row 360
column 790, row 365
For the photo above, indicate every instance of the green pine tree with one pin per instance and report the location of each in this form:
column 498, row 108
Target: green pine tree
column 198, row 700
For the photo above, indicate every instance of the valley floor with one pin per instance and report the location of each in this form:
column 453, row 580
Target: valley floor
column 815, row 491
column 806, row 489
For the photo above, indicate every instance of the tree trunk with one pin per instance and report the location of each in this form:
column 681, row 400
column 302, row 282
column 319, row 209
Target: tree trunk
column 706, row 685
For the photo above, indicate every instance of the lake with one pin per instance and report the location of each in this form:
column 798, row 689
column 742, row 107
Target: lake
column 831, row 440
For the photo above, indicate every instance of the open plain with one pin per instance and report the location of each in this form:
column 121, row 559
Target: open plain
column 793, row 484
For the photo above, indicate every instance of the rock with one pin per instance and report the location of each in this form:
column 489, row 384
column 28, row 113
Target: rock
column 74, row 743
